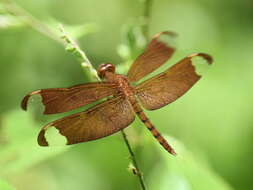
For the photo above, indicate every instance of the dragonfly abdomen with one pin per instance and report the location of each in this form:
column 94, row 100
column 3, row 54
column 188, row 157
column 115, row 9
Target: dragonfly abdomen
column 140, row 113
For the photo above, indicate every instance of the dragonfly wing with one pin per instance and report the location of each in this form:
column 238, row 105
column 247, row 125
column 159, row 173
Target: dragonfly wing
column 168, row 86
column 99, row 121
column 58, row 100
column 157, row 53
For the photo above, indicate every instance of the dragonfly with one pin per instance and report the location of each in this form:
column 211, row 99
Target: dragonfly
column 123, row 100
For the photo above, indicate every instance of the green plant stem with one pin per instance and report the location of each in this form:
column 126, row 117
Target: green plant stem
column 146, row 17
column 85, row 63
column 14, row 9
column 145, row 30
column 138, row 171
column 74, row 48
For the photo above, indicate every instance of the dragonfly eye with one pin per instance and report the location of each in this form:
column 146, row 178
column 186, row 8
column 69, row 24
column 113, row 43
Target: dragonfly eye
column 105, row 67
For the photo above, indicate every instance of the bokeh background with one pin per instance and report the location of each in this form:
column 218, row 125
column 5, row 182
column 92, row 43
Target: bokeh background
column 210, row 126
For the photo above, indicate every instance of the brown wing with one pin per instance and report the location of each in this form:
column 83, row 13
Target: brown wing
column 58, row 100
column 102, row 120
column 171, row 84
column 156, row 54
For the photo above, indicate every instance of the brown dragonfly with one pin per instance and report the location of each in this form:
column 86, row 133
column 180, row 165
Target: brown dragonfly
column 124, row 100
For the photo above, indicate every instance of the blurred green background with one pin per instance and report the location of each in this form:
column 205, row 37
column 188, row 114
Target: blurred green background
column 210, row 127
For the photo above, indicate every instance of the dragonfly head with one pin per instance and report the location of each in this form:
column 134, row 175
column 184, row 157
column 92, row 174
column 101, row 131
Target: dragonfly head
column 105, row 67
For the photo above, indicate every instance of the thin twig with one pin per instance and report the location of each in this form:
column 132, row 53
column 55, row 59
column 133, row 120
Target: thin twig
column 138, row 171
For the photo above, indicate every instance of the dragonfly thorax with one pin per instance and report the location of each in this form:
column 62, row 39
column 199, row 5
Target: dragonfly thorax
column 124, row 86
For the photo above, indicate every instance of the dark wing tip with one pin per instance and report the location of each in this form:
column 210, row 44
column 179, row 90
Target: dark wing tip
column 26, row 98
column 24, row 102
column 207, row 57
column 167, row 38
column 167, row 32
column 41, row 138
